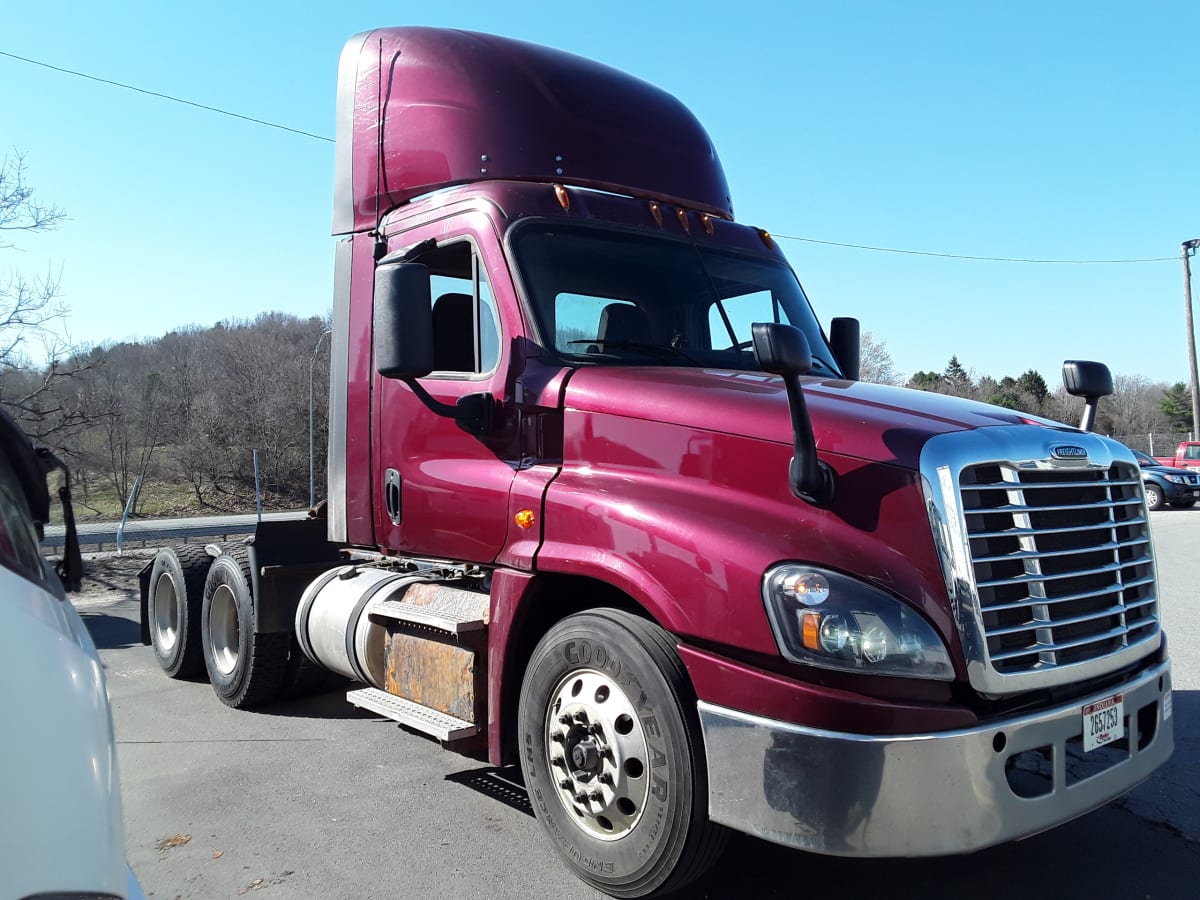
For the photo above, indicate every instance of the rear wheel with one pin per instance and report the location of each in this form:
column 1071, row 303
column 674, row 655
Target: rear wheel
column 246, row 669
column 174, row 608
column 612, row 755
column 1154, row 496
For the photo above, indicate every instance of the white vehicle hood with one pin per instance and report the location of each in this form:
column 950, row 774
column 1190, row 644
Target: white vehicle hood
column 62, row 828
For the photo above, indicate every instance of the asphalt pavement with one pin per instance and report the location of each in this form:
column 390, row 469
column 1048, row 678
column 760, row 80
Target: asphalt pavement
column 317, row 799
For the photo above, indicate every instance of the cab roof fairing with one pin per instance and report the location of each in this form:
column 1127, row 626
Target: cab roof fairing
column 459, row 107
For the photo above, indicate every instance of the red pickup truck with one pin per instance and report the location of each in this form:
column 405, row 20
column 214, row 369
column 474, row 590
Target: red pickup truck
column 1187, row 456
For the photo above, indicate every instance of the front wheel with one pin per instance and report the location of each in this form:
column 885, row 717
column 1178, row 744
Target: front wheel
column 1154, row 496
column 612, row 755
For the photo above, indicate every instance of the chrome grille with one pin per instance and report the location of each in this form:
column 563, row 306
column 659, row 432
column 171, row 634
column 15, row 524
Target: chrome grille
column 1062, row 561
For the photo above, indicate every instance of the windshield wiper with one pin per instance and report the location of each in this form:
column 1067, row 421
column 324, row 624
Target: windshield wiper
column 661, row 350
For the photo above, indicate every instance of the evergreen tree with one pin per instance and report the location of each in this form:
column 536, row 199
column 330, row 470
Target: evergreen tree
column 956, row 378
column 1033, row 384
column 1176, row 405
column 925, row 381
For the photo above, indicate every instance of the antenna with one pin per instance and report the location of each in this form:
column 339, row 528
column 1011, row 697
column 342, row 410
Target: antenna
column 380, row 249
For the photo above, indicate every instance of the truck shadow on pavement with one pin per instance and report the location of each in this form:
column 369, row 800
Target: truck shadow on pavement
column 1133, row 847
column 111, row 632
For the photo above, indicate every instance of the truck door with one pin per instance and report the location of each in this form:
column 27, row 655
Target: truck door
column 440, row 490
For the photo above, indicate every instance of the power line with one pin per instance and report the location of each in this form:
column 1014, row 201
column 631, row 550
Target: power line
column 1011, row 259
column 130, row 87
column 788, row 237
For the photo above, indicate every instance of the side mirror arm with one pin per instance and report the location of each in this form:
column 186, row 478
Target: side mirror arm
column 473, row 413
column 783, row 350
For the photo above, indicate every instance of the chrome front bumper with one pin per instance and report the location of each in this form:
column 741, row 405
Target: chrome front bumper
column 927, row 794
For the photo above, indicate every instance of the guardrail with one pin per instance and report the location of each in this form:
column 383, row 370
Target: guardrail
column 95, row 535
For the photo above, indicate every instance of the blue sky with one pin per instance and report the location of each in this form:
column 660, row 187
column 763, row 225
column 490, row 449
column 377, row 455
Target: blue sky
column 1016, row 129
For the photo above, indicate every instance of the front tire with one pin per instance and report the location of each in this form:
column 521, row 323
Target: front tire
column 174, row 609
column 1154, row 496
column 612, row 755
column 246, row 668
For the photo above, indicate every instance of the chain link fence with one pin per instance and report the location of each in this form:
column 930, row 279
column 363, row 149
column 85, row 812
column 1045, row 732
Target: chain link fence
column 1156, row 443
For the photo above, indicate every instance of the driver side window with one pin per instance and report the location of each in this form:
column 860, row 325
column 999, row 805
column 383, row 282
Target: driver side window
column 466, row 328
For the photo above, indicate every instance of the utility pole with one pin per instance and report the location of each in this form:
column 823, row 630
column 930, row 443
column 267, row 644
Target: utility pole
column 1189, row 247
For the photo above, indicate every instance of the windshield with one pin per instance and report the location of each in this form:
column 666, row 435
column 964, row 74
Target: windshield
column 614, row 298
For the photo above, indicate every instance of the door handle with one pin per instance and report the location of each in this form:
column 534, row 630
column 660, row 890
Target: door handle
column 391, row 495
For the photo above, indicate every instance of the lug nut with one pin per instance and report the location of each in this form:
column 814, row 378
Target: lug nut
column 596, row 796
column 558, row 737
column 605, row 778
column 565, row 719
column 581, row 797
column 565, row 784
column 581, row 716
column 558, row 761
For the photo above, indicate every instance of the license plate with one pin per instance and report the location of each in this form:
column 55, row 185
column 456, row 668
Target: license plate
column 1103, row 722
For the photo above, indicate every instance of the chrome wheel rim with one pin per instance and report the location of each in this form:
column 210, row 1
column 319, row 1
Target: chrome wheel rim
column 597, row 754
column 165, row 614
column 223, row 630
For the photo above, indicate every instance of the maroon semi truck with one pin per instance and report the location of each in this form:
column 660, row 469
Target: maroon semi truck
column 606, row 500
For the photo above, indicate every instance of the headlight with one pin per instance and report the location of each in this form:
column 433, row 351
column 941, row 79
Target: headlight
column 1176, row 479
column 827, row 619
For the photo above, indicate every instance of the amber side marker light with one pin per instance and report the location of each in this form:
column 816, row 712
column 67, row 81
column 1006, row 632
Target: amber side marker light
column 525, row 518
column 564, row 199
column 811, row 629
column 766, row 238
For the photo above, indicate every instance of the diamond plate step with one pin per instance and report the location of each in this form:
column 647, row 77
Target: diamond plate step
column 414, row 715
column 451, row 620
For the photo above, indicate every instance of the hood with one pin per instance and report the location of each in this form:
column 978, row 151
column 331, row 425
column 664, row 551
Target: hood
column 866, row 421
column 59, row 781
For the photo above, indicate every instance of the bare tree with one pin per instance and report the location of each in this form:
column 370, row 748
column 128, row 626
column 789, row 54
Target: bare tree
column 27, row 304
column 875, row 362
column 41, row 398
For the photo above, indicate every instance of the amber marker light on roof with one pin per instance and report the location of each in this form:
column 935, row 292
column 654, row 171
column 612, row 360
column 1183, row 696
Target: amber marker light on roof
column 525, row 518
column 681, row 214
column 564, row 199
column 707, row 220
column 656, row 212
column 766, row 238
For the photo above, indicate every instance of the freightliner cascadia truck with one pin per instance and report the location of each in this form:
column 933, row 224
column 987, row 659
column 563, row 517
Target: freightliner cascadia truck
column 607, row 501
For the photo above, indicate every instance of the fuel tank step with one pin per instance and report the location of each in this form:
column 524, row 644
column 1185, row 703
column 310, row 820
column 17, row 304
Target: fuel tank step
column 446, row 612
column 414, row 715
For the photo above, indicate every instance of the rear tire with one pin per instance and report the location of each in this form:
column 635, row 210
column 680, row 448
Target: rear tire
column 246, row 668
column 173, row 609
column 612, row 755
